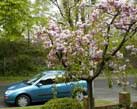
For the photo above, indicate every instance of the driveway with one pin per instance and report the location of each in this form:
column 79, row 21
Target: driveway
column 101, row 91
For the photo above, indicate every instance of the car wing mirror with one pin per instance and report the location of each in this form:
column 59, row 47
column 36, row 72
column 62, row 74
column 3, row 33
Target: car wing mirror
column 39, row 84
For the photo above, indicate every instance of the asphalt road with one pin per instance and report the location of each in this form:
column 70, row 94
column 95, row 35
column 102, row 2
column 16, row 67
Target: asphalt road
column 2, row 85
column 101, row 91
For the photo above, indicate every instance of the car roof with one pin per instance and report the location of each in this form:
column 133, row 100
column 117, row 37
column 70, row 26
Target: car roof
column 52, row 73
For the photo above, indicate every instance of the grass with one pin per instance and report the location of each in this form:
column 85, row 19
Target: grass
column 104, row 102
column 9, row 79
column 97, row 103
column 28, row 107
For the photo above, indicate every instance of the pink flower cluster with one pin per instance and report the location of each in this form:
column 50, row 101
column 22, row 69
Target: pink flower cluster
column 125, row 14
column 67, row 42
column 84, row 41
column 132, row 49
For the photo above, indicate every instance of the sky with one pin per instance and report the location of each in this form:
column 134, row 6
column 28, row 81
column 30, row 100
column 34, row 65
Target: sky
column 86, row 0
column 55, row 9
column 98, row 0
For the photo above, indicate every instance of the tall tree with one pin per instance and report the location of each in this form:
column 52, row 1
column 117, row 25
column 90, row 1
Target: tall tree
column 14, row 18
column 40, row 10
column 71, row 11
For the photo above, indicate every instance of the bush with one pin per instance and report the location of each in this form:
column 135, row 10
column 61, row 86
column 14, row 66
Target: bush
column 62, row 103
column 17, row 58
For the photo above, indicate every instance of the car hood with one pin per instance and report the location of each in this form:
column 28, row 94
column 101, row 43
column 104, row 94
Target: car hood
column 18, row 85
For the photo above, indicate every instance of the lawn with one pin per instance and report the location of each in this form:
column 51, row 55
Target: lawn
column 28, row 107
column 104, row 102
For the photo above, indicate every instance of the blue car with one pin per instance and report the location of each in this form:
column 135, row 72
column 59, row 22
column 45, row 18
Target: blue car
column 43, row 87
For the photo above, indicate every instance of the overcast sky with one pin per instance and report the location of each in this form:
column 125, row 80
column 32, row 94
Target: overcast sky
column 98, row 0
column 54, row 9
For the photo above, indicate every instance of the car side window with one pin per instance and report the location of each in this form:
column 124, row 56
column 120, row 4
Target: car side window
column 47, row 82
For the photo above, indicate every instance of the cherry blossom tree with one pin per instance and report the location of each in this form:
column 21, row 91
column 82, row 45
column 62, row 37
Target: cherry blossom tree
column 71, row 11
column 92, row 45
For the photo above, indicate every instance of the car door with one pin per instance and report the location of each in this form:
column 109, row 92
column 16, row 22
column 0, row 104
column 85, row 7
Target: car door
column 44, row 90
column 65, row 89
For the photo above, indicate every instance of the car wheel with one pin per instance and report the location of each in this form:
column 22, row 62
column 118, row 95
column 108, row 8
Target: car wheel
column 79, row 96
column 23, row 100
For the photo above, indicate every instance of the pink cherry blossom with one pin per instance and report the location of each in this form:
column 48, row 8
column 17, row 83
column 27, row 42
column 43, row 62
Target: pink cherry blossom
column 94, row 41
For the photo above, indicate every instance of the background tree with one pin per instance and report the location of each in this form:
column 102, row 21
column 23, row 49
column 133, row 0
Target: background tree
column 14, row 18
column 17, row 19
column 40, row 10
column 71, row 12
column 16, row 58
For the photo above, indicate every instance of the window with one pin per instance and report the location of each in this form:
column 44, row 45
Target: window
column 47, row 82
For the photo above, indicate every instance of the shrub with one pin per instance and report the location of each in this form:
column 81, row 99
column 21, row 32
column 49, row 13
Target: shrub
column 17, row 58
column 62, row 103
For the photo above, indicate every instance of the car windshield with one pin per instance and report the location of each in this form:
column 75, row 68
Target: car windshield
column 35, row 78
column 47, row 73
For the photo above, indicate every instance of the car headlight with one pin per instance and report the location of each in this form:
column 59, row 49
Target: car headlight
column 9, row 92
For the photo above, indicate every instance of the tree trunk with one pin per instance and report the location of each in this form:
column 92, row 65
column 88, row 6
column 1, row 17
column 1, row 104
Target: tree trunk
column 4, row 66
column 28, row 37
column 91, row 104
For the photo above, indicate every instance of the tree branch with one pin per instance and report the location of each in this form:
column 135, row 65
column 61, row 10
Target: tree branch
column 57, row 5
column 58, row 54
column 102, row 63
column 123, row 40
column 70, row 21
column 99, row 71
column 135, row 31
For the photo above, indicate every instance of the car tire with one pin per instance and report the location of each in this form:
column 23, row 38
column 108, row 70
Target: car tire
column 79, row 95
column 23, row 100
